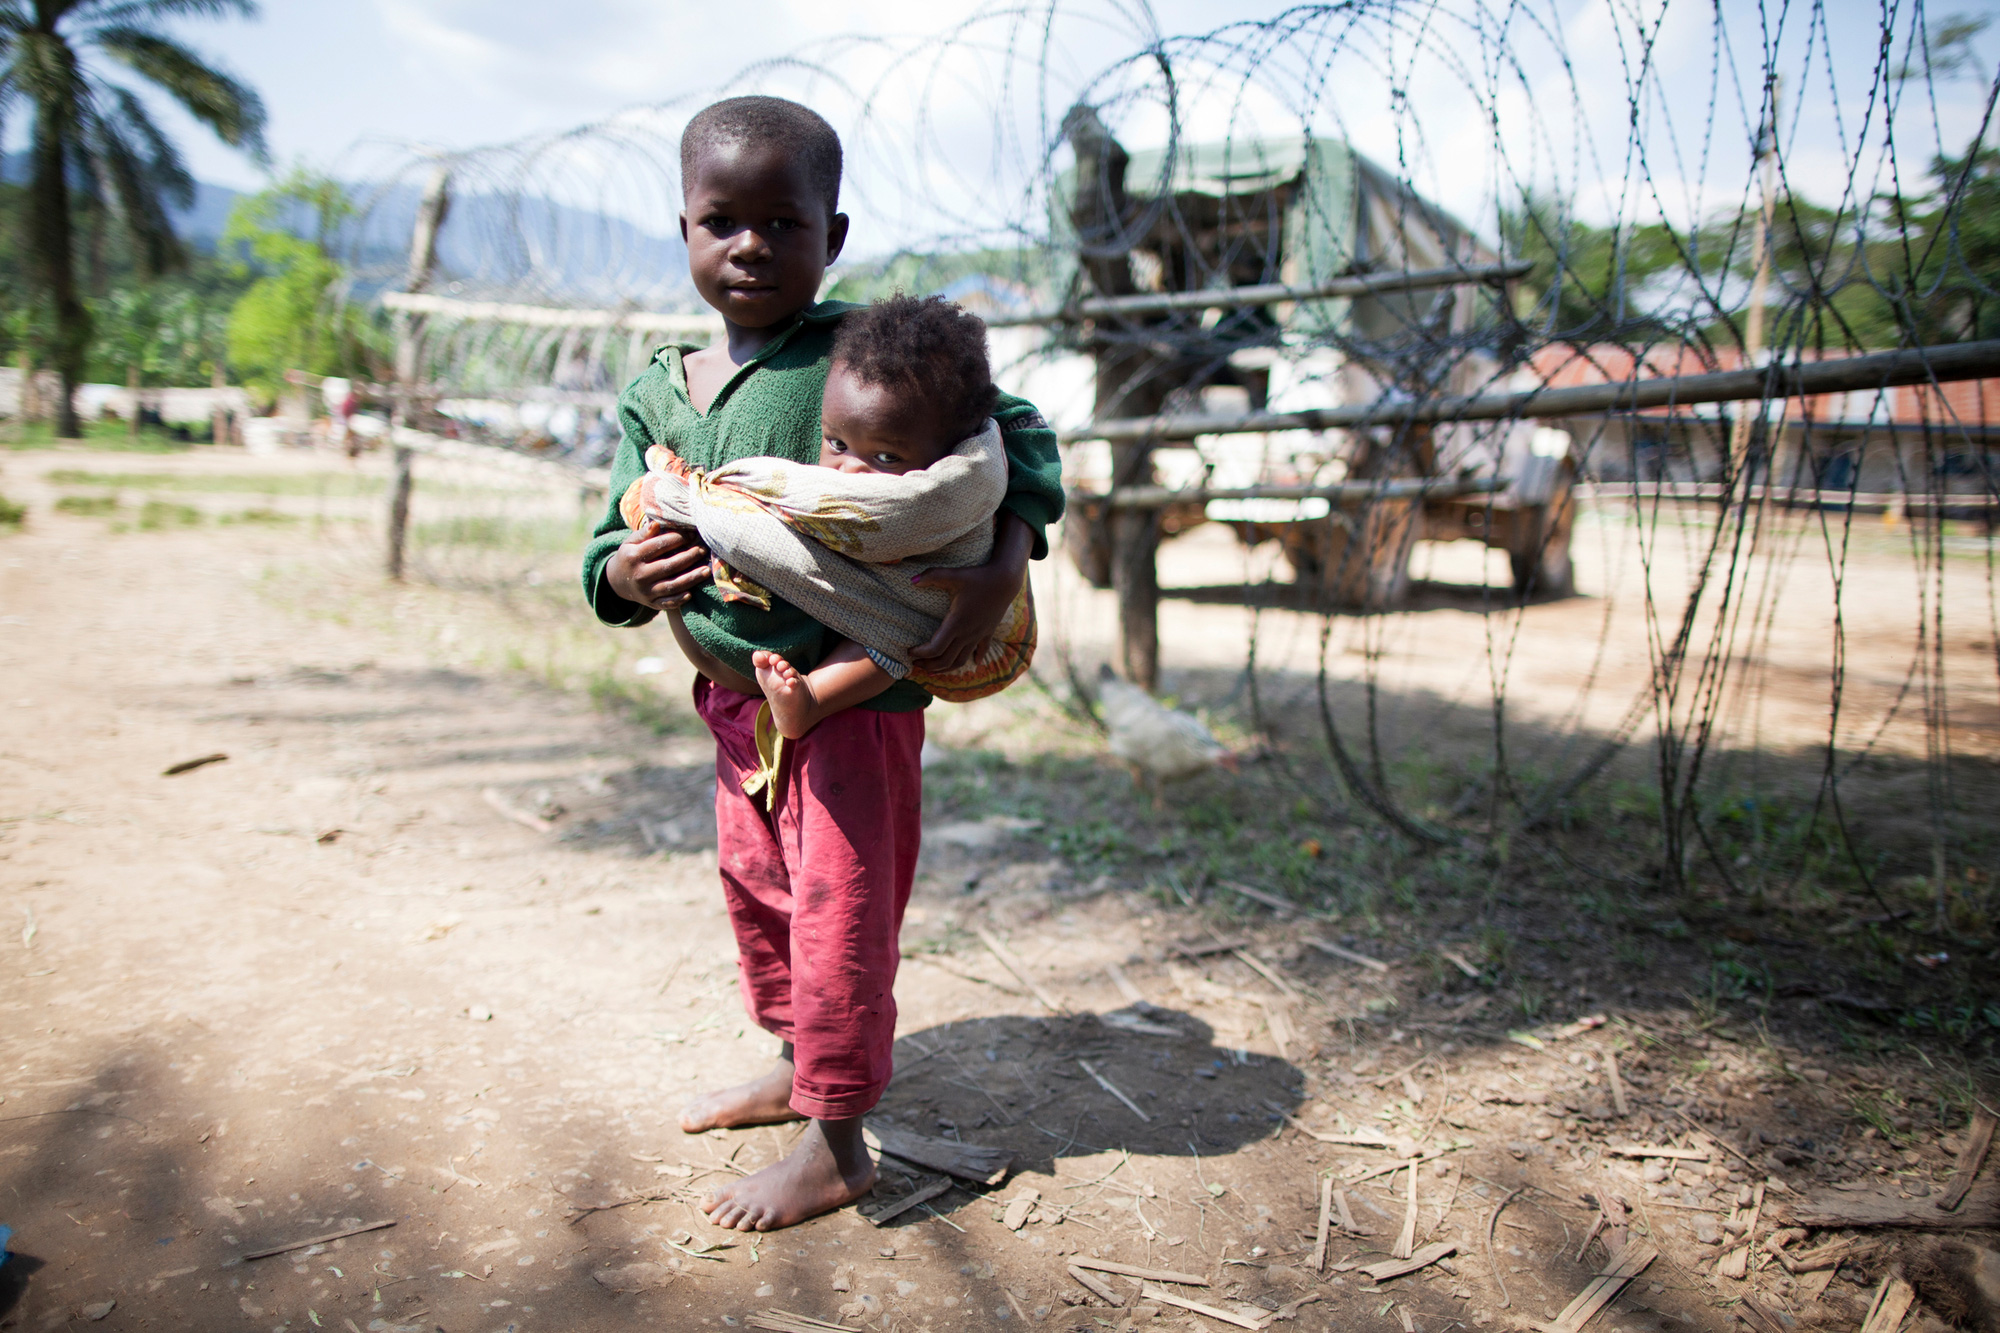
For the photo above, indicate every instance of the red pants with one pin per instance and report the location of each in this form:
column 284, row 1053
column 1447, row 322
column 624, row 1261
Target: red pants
column 816, row 888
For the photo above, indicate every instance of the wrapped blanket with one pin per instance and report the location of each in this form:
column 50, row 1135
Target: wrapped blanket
column 843, row 547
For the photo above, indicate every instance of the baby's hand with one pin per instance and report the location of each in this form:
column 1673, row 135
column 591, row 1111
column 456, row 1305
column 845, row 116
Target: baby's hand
column 980, row 597
column 657, row 568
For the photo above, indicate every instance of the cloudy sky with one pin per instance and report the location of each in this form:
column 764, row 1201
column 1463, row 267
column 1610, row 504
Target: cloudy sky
column 1432, row 88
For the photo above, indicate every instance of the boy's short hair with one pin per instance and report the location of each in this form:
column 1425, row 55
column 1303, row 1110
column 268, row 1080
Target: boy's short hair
column 925, row 346
column 738, row 120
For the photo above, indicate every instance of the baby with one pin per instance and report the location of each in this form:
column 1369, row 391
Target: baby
column 909, row 379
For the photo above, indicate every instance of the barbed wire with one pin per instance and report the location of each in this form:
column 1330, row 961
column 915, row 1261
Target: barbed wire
column 1690, row 189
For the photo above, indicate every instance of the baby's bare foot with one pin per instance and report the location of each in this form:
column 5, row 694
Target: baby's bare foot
column 761, row 1101
column 814, row 1179
column 791, row 697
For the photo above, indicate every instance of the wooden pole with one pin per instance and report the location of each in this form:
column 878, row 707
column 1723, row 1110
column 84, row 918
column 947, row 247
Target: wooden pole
column 409, row 334
column 218, row 421
column 1760, row 284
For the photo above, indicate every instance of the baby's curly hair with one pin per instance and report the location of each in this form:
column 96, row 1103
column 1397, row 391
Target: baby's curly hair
column 928, row 348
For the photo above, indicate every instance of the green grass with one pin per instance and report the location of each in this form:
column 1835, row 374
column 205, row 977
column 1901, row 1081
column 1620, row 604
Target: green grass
column 12, row 513
column 87, row 506
column 112, row 436
column 157, row 514
column 271, row 518
column 253, row 483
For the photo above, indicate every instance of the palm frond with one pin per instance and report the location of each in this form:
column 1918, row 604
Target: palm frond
column 115, row 12
column 133, row 188
column 164, row 164
column 227, row 106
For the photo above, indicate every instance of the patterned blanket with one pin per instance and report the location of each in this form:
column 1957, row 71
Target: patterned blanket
column 843, row 547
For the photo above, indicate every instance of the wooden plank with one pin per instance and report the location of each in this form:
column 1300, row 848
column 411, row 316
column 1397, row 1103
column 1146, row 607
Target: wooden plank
column 1423, row 1258
column 1978, row 1139
column 1876, row 1208
column 1406, row 1243
column 1165, row 1297
column 1254, row 294
column 1874, row 371
column 1097, row 1286
column 968, row 1161
column 1630, row 1262
column 1325, row 1224
column 1346, row 1217
column 1133, row 1270
column 1890, row 1307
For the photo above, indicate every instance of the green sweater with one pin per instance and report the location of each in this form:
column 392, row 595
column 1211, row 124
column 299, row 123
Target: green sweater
column 770, row 408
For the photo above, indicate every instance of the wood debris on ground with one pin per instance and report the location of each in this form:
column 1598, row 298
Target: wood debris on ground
column 1628, row 1264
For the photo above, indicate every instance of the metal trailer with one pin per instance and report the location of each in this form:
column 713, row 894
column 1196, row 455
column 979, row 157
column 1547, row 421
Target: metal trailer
column 1287, row 275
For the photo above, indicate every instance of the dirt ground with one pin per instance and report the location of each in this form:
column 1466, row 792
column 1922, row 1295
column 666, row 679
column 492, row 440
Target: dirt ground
column 439, row 945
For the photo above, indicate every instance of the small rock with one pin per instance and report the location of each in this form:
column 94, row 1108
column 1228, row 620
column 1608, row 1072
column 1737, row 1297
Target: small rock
column 98, row 1311
column 633, row 1277
column 1705, row 1229
column 1813, row 1075
column 1653, row 1173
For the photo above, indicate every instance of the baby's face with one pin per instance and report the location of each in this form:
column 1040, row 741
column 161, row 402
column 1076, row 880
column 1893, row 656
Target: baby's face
column 868, row 428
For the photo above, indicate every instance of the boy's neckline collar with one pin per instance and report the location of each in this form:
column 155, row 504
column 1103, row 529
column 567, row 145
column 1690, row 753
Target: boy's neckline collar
column 819, row 312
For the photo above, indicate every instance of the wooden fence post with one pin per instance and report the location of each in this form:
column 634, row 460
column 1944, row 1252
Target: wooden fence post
column 409, row 335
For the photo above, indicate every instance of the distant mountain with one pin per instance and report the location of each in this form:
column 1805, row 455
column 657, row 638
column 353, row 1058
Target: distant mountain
column 491, row 247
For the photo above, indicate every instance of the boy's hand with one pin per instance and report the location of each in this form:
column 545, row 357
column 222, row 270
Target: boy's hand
column 657, row 569
column 980, row 597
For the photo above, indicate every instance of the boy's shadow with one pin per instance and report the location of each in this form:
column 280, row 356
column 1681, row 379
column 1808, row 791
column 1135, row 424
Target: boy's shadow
column 15, row 1272
column 1020, row 1083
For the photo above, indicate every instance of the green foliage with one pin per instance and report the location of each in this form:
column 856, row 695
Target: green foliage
column 294, row 315
column 155, row 515
column 98, row 161
column 87, row 506
column 13, row 514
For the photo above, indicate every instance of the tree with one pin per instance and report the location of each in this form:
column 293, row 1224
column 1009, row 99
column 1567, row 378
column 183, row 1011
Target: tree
column 294, row 315
column 94, row 149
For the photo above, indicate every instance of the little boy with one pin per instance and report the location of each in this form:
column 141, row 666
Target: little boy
column 816, row 884
column 909, row 379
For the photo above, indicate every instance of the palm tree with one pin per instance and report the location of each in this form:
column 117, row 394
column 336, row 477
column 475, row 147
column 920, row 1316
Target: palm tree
column 95, row 151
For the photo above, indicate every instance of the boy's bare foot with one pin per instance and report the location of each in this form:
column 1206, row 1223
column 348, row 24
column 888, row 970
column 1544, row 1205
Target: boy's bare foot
column 762, row 1101
column 791, row 695
column 829, row 1169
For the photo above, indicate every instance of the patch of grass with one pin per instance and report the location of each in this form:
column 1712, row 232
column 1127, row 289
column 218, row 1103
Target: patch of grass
column 156, row 515
column 264, row 516
column 254, row 483
column 112, row 436
column 87, row 506
column 12, row 513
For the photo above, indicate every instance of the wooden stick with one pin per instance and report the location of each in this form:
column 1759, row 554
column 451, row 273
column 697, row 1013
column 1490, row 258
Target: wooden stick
column 1655, row 1150
column 1373, row 1172
column 1266, row 971
column 1165, row 1297
column 1423, row 1258
column 1281, row 1027
column 923, row 1194
column 1282, row 906
column 1133, row 1270
column 1325, row 1222
column 1630, row 1262
column 1407, row 1242
column 1978, row 1140
column 1019, row 969
column 1097, row 1286
column 1458, row 961
column 1106, row 1084
column 319, row 1240
column 1892, row 1302
column 1326, row 947
column 1124, row 984
column 1340, row 1210
column 1492, row 1221
column 190, row 765
column 1618, row 1103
